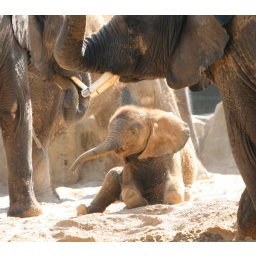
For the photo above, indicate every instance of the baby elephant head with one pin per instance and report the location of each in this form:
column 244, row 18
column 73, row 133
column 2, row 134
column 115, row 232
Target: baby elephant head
column 133, row 130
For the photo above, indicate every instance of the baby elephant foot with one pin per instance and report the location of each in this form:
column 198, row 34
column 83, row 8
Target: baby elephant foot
column 133, row 198
column 81, row 210
column 173, row 197
column 187, row 193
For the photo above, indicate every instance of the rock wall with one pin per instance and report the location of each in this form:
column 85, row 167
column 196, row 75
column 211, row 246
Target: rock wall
column 215, row 151
column 65, row 149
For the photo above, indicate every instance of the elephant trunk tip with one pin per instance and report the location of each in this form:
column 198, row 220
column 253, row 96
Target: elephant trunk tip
column 72, row 169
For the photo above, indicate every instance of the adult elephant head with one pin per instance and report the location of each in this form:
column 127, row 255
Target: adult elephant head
column 189, row 51
column 179, row 48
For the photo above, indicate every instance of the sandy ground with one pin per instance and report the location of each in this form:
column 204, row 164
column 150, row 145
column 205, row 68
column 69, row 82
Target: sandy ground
column 209, row 216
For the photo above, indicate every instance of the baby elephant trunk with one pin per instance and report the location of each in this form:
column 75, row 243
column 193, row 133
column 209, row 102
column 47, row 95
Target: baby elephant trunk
column 103, row 149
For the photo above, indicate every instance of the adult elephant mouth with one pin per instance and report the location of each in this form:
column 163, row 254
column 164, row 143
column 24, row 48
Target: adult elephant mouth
column 119, row 151
column 63, row 78
column 104, row 82
column 62, row 81
column 74, row 106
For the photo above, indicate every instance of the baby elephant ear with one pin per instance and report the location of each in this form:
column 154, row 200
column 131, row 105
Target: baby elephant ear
column 202, row 42
column 169, row 135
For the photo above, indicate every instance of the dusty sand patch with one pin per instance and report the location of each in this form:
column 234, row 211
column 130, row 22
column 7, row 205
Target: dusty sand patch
column 210, row 216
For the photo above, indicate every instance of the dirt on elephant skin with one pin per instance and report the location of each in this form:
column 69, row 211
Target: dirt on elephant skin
column 210, row 216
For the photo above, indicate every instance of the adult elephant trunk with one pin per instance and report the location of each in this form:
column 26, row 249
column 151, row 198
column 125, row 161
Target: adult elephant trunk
column 74, row 106
column 70, row 45
column 105, row 148
column 74, row 53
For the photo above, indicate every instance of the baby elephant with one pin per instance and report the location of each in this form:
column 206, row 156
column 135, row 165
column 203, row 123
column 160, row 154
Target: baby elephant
column 160, row 167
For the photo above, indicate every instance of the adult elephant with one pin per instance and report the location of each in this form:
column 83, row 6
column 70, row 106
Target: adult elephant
column 27, row 60
column 54, row 107
column 189, row 51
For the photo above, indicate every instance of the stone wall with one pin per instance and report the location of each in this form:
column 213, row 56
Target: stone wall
column 215, row 151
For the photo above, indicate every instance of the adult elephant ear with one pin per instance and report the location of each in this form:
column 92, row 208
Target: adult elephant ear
column 168, row 135
column 202, row 42
column 28, row 31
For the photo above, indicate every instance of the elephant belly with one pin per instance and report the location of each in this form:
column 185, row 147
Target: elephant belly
column 153, row 182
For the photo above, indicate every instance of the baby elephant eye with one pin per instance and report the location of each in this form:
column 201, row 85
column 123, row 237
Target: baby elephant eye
column 135, row 128
column 134, row 131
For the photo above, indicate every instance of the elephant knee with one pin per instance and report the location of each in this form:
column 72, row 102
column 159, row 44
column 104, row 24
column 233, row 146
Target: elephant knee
column 129, row 194
column 114, row 174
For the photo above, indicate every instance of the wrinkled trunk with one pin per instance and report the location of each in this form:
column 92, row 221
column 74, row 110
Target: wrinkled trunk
column 73, row 52
column 106, row 147
column 74, row 106
column 69, row 47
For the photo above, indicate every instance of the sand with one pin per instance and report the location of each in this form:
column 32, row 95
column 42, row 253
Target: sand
column 209, row 216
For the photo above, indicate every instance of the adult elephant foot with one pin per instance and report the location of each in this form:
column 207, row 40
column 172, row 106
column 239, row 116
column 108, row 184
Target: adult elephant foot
column 47, row 196
column 28, row 207
column 246, row 218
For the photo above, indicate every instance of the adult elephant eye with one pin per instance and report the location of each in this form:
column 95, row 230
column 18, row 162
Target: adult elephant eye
column 133, row 23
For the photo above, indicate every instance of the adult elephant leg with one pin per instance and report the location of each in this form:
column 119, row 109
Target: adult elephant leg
column 16, row 125
column 183, row 102
column 239, row 103
column 246, row 217
column 234, row 74
column 47, row 122
column 41, row 177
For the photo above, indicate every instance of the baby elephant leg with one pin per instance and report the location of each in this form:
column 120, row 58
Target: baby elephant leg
column 108, row 194
column 189, row 169
column 174, row 191
column 174, row 186
column 131, row 192
column 132, row 197
column 187, row 192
